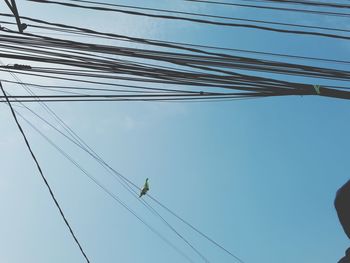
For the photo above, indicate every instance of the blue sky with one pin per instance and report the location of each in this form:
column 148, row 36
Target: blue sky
column 258, row 176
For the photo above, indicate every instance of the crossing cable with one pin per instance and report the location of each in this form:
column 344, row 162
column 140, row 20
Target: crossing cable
column 170, row 44
column 257, row 90
column 211, row 2
column 85, row 147
column 101, row 186
column 167, row 44
column 182, row 45
column 97, row 158
column 178, row 77
column 62, row 87
column 82, row 145
column 302, row 2
column 174, row 12
column 195, row 229
column 159, row 72
column 281, row 2
column 78, row 141
column 76, row 31
column 314, row 12
column 211, row 22
column 43, row 177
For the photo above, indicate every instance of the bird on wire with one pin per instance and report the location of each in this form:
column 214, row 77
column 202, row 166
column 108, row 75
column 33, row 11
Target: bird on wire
column 145, row 188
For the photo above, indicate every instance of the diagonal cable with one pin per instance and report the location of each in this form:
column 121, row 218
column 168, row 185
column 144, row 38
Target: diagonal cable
column 43, row 177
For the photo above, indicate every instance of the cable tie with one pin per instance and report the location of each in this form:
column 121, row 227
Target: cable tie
column 317, row 89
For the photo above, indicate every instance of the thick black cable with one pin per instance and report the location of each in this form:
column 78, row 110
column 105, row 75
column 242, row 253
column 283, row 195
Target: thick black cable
column 230, row 86
column 44, row 178
column 181, row 45
column 307, row 3
column 176, row 12
column 182, row 76
column 86, row 89
column 158, row 74
column 252, row 26
column 314, row 12
column 177, row 45
column 190, row 61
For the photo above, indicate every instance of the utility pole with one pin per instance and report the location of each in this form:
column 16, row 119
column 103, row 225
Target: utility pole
column 13, row 7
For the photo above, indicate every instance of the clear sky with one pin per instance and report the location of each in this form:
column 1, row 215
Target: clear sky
column 258, row 176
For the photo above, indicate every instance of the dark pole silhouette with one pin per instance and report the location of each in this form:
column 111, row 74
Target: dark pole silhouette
column 14, row 10
column 341, row 203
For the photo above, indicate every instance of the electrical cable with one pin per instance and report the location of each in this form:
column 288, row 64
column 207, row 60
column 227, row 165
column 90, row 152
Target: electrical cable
column 44, row 178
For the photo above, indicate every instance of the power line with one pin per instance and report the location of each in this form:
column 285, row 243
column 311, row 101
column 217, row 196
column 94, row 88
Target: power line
column 44, row 178
column 174, row 12
column 307, row 3
column 103, row 188
column 212, row 22
column 86, row 148
column 274, row 8
column 97, row 97
column 156, row 73
column 78, row 141
column 169, row 44
column 195, row 229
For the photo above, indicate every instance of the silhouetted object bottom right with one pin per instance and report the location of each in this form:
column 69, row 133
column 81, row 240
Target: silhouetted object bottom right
column 342, row 205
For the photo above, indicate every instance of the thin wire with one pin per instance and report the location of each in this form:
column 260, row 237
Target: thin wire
column 78, row 141
column 44, row 178
column 195, row 229
column 301, row 2
column 82, row 145
column 103, row 188
column 272, row 8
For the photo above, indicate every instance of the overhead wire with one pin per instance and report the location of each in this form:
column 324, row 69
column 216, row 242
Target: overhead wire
column 181, row 45
column 44, row 178
column 75, row 59
column 102, row 187
column 83, row 145
column 60, row 121
column 213, row 22
column 165, row 75
column 177, row 45
column 274, row 8
column 303, row 2
column 80, row 143
column 175, row 12
column 186, row 60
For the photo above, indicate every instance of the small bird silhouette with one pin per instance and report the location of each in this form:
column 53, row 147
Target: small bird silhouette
column 145, row 188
